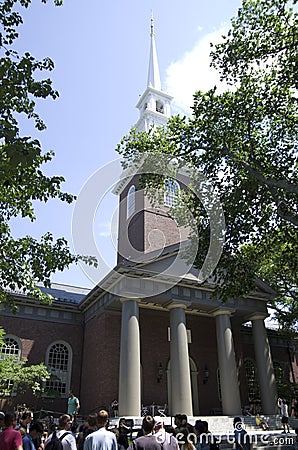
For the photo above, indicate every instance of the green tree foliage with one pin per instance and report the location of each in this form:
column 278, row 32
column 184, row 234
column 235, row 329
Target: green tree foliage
column 16, row 377
column 25, row 261
column 19, row 378
column 245, row 142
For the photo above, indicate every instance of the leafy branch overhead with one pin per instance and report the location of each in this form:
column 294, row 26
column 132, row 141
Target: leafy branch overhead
column 244, row 141
column 25, row 261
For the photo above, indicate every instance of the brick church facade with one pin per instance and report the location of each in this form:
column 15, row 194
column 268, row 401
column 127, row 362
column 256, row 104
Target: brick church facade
column 144, row 335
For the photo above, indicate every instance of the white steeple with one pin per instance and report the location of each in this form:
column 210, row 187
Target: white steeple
column 154, row 104
column 153, row 72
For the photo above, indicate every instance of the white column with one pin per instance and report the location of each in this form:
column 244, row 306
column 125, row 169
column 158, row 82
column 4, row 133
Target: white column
column 229, row 384
column 130, row 367
column 264, row 363
column 181, row 399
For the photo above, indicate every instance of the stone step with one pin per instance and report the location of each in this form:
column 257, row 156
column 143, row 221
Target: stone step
column 222, row 427
column 222, row 424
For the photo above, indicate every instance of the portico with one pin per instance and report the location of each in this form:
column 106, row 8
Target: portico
column 180, row 303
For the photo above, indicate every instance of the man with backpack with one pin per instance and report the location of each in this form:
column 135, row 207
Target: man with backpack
column 62, row 438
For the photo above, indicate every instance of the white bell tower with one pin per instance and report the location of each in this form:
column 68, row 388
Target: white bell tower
column 137, row 217
column 154, row 105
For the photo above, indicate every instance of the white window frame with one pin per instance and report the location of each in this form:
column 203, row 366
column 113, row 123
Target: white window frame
column 172, row 190
column 17, row 354
column 253, row 388
column 19, row 345
column 63, row 375
column 131, row 201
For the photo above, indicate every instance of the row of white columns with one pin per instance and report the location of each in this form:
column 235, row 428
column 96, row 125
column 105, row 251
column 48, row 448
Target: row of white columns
column 181, row 396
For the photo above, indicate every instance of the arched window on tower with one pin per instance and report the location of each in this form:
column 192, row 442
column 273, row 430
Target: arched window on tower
column 131, row 201
column 59, row 362
column 252, row 380
column 172, row 190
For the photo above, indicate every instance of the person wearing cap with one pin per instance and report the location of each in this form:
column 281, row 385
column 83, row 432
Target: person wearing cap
column 242, row 438
column 35, row 432
column 165, row 439
column 10, row 439
column 148, row 441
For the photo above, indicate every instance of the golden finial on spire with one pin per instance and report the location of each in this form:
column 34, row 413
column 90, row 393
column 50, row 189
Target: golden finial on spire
column 152, row 25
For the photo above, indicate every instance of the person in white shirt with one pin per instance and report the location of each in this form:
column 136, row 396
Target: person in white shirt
column 64, row 425
column 284, row 411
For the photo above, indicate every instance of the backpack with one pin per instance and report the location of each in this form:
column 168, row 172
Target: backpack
column 55, row 443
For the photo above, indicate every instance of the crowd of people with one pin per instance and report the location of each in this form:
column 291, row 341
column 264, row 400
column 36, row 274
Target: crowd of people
column 98, row 434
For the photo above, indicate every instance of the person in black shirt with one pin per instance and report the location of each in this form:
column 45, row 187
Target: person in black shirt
column 123, row 433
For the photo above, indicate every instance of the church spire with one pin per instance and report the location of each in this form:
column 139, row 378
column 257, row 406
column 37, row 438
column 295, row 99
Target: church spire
column 154, row 104
column 153, row 72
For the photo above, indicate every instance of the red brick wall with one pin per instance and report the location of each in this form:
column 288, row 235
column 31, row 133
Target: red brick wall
column 203, row 351
column 35, row 337
column 101, row 362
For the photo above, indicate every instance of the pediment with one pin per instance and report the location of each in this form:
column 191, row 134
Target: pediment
column 166, row 264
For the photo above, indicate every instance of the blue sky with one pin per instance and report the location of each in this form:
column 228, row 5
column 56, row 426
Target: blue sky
column 101, row 52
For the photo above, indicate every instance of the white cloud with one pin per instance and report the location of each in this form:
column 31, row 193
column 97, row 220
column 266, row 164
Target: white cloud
column 193, row 72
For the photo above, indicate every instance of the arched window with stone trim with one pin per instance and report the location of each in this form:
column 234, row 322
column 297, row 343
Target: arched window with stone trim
column 59, row 363
column 131, row 201
column 172, row 189
column 253, row 389
column 12, row 347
